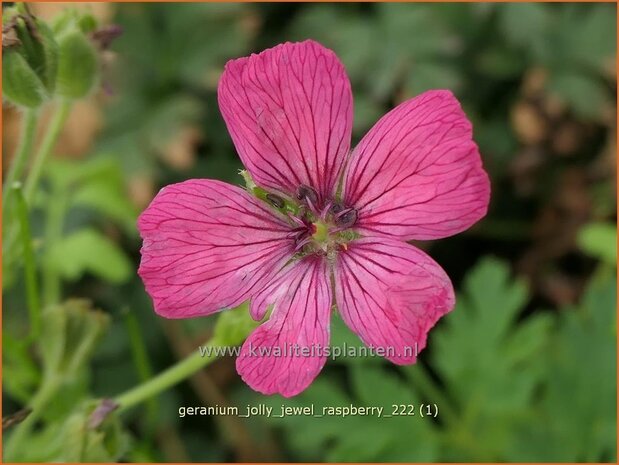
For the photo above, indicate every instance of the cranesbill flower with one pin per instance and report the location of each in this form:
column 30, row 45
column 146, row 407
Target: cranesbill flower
column 325, row 228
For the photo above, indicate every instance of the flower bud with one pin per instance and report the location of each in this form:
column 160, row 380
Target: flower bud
column 48, row 62
column 78, row 65
column 87, row 23
column 33, row 41
column 20, row 84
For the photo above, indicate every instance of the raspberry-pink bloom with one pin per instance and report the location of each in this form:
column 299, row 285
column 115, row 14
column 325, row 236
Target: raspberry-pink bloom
column 329, row 227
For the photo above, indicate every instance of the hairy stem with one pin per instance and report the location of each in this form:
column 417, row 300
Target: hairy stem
column 143, row 366
column 32, row 286
column 165, row 380
column 53, row 234
column 53, row 131
column 32, row 180
column 24, row 149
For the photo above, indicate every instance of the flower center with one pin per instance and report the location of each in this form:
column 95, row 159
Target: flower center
column 321, row 228
column 320, row 231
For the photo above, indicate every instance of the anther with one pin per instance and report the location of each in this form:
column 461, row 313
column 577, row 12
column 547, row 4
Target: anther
column 336, row 208
column 275, row 200
column 308, row 194
column 346, row 218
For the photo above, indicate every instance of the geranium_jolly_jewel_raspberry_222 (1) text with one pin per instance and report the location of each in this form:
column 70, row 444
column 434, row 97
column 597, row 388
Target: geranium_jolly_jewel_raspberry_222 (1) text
column 320, row 227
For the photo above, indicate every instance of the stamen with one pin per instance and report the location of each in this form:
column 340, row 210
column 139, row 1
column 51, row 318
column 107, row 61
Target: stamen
column 297, row 220
column 325, row 231
column 308, row 194
column 336, row 208
column 326, row 209
column 312, row 206
column 303, row 243
column 275, row 200
column 346, row 218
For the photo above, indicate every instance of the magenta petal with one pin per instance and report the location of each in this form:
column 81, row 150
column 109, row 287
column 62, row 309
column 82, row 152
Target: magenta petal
column 391, row 294
column 208, row 246
column 286, row 353
column 417, row 174
column 289, row 112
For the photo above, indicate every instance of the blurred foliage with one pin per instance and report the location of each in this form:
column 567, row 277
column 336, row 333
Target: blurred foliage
column 507, row 383
column 523, row 369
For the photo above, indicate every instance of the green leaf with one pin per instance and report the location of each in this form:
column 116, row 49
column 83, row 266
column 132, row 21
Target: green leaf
column 21, row 375
column 345, row 439
column 87, row 250
column 347, row 342
column 81, row 443
column 588, row 35
column 72, row 331
column 75, row 441
column 478, row 354
column 579, row 385
column 585, row 95
column 109, row 200
column 98, row 184
column 501, row 62
column 524, row 24
column 69, row 174
column 599, row 240
column 309, row 436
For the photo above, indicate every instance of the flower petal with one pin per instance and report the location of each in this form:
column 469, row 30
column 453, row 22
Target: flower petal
column 208, row 246
column 417, row 174
column 289, row 112
column 391, row 294
column 286, row 353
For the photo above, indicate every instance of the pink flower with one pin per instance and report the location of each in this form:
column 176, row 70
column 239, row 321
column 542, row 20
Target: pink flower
column 332, row 230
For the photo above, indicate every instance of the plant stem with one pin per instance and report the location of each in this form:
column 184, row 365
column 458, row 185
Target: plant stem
column 168, row 378
column 24, row 148
column 32, row 287
column 53, row 234
column 32, row 180
column 143, row 366
column 53, row 131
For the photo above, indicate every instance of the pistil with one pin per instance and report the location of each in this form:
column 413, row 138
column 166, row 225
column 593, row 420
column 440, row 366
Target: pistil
column 320, row 231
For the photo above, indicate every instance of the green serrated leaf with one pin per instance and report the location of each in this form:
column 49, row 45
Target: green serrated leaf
column 478, row 355
column 579, row 385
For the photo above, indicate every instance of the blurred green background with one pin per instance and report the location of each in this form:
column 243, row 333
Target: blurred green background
column 523, row 370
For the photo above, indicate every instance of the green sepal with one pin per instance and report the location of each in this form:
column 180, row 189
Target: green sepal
column 259, row 192
column 233, row 326
column 78, row 65
column 20, row 84
column 50, row 58
column 37, row 45
column 87, row 23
